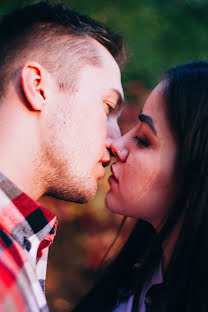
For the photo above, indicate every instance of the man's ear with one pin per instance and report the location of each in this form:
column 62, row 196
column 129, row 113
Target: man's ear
column 33, row 81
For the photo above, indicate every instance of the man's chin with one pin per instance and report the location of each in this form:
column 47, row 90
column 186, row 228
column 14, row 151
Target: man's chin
column 90, row 194
column 80, row 197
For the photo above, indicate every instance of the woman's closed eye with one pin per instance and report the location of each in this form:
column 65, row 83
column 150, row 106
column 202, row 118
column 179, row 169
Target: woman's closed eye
column 141, row 141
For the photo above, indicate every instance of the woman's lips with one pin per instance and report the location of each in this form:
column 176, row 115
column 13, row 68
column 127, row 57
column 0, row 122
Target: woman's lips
column 113, row 174
column 112, row 180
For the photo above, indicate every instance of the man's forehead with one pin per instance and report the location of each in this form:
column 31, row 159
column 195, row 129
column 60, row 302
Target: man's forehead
column 108, row 63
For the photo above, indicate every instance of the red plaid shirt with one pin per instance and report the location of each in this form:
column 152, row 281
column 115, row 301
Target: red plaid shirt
column 26, row 232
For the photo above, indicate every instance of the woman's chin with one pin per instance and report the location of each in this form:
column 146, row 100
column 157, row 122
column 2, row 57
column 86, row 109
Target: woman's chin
column 110, row 201
column 113, row 204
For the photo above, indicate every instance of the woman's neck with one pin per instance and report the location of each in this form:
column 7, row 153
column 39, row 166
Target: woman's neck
column 169, row 245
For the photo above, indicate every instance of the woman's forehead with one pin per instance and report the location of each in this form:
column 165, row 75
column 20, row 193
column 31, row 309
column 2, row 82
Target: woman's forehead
column 155, row 102
column 155, row 108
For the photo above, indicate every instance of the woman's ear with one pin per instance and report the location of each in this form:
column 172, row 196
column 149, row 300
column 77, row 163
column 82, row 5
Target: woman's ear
column 33, row 81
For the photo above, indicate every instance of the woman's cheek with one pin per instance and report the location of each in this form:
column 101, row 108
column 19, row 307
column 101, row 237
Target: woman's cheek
column 139, row 180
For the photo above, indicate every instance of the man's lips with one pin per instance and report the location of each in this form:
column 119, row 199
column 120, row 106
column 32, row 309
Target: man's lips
column 106, row 163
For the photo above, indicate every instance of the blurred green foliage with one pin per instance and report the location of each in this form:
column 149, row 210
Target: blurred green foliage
column 159, row 33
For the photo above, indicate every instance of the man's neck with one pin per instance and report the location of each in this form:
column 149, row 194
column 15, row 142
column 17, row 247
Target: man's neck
column 19, row 149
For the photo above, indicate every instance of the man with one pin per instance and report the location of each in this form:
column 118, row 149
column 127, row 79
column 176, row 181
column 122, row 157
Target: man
column 60, row 93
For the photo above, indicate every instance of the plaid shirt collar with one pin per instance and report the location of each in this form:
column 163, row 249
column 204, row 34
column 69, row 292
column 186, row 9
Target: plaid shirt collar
column 28, row 223
column 24, row 217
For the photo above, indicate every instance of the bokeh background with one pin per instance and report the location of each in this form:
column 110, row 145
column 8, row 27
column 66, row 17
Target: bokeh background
column 159, row 34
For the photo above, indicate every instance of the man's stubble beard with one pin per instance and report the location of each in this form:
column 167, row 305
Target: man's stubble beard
column 63, row 180
column 72, row 191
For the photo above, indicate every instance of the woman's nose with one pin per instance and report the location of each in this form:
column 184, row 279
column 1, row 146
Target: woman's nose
column 119, row 150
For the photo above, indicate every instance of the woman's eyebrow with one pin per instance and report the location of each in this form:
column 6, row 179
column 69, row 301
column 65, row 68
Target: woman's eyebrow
column 148, row 120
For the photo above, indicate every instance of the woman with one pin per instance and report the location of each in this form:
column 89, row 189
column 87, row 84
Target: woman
column 161, row 178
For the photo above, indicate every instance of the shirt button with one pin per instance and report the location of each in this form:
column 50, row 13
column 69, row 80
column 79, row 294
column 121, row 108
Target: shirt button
column 27, row 244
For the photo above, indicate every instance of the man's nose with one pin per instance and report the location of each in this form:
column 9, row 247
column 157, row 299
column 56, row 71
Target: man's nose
column 113, row 132
column 106, row 158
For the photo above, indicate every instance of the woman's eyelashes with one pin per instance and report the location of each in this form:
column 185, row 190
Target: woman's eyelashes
column 141, row 141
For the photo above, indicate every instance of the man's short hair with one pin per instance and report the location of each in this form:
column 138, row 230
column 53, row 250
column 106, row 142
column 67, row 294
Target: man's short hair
column 56, row 37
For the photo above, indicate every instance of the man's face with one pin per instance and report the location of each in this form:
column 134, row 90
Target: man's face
column 80, row 128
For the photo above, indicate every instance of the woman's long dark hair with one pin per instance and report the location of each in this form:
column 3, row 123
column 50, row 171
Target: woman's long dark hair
column 185, row 280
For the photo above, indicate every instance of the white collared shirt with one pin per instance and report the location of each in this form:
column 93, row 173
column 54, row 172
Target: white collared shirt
column 157, row 278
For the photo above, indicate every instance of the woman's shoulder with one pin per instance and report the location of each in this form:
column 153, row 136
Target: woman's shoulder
column 105, row 292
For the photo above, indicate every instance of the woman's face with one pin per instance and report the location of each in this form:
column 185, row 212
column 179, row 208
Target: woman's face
column 143, row 183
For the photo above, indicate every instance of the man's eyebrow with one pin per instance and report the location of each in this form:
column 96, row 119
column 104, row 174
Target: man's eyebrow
column 149, row 121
